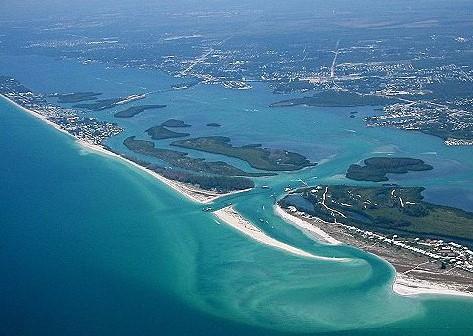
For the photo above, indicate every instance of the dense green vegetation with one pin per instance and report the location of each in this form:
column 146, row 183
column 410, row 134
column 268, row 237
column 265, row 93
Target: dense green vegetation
column 217, row 183
column 387, row 209
column 134, row 110
column 334, row 98
column 440, row 130
column 255, row 155
column 213, row 125
column 376, row 168
column 183, row 161
column 75, row 97
column 161, row 132
column 221, row 184
column 175, row 123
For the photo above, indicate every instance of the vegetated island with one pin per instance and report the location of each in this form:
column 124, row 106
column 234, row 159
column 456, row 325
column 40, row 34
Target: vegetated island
column 376, row 168
column 75, row 97
column 104, row 104
column 333, row 98
column 161, row 132
column 175, row 123
column 213, row 125
column 256, row 156
column 428, row 244
column 203, row 183
column 183, row 161
column 217, row 176
column 134, row 110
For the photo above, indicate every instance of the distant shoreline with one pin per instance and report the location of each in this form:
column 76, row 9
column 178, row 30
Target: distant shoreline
column 192, row 193
column 403, row 284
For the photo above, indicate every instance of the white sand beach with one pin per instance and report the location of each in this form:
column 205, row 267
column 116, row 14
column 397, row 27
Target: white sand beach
column 307, row 226
column 409, row 286
column 230, row 216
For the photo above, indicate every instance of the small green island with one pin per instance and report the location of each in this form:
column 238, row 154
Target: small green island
column 175, row 123
column 256, row 156
column 161, row 132
column 135, row 110
column 376, row 168
column 75, row 97
column 398, row 210
column 213, row 125
column 333, row 98
column 183, row 161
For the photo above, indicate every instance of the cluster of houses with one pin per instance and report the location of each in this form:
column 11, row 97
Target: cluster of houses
column 87, row 129
column 448, row 254
column 412, row 115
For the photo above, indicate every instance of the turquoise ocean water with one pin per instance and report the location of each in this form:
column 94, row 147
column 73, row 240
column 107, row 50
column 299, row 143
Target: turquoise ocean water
column 90, row 245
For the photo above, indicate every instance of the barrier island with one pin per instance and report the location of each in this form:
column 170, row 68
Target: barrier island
column 430, row 245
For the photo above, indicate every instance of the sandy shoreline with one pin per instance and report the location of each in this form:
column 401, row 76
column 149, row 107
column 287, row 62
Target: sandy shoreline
column 402, row 285
column 320, row 234
column 409, row 286
column 194, row 194
column 231, row 217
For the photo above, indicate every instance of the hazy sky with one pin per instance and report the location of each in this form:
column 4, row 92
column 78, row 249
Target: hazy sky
column 39, row 8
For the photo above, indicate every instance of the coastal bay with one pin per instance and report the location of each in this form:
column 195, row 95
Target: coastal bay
column 272, row 265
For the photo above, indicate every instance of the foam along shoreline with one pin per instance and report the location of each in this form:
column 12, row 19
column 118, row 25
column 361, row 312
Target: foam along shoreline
column 231, row 217
column 402, row 285
column 306, row 226
column 194, row 194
